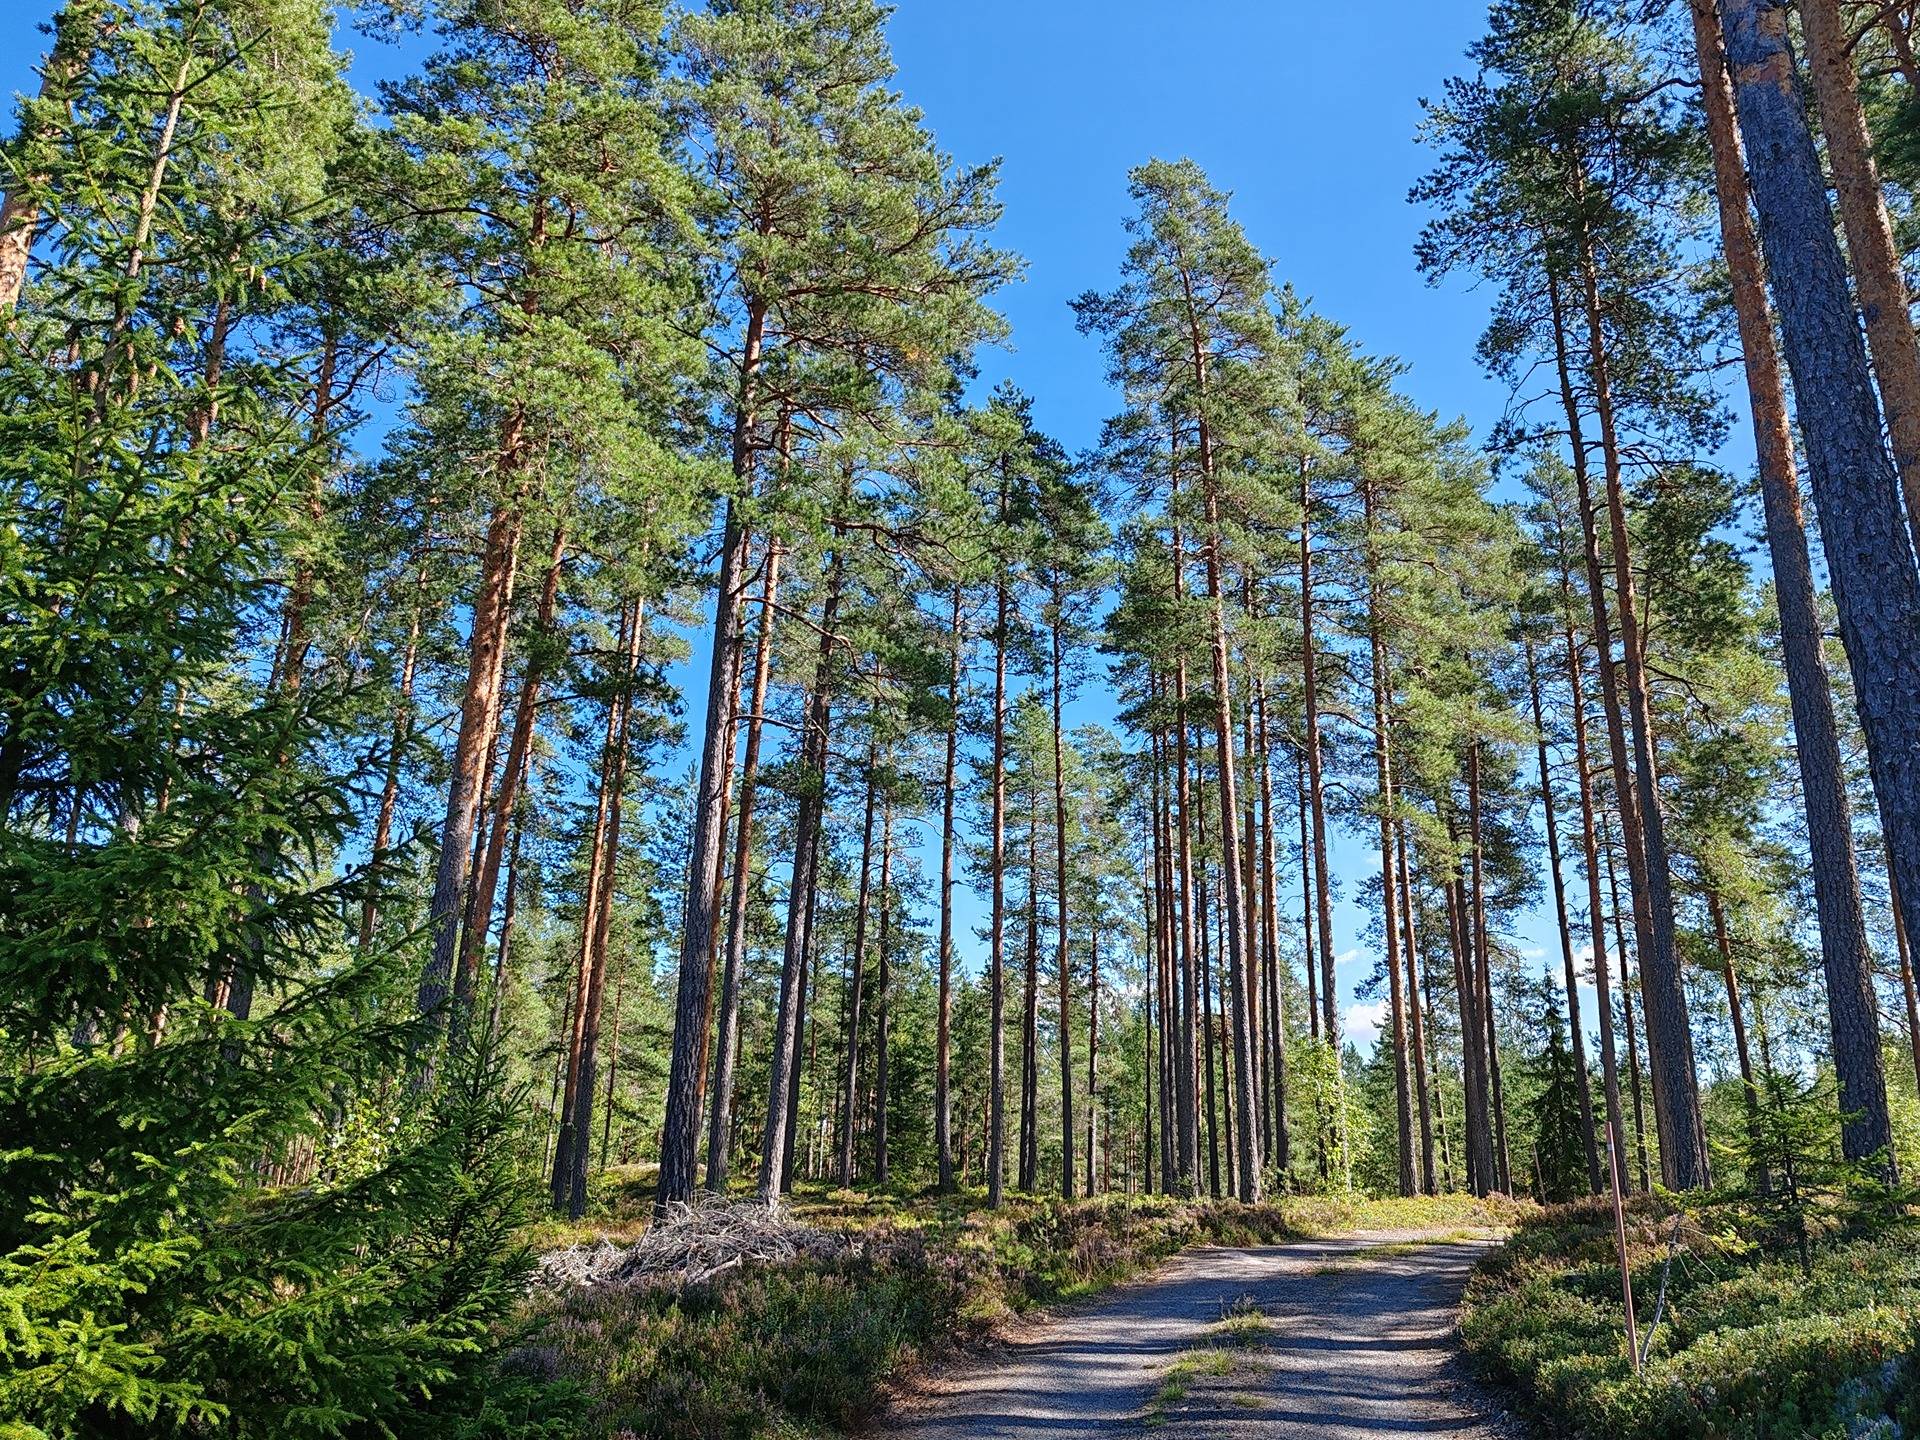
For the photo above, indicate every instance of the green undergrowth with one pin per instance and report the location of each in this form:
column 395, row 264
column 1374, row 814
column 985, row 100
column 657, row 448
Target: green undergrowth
column 1748, row 1347
column 808, row 1349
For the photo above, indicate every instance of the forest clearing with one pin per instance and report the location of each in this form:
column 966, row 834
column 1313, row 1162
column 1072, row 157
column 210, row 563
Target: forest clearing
column 779, row 718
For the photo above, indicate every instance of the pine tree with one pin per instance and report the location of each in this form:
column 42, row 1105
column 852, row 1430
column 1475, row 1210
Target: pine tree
column 808, row 223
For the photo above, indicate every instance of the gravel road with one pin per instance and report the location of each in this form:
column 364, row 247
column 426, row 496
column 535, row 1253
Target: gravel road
column 1357, row 1343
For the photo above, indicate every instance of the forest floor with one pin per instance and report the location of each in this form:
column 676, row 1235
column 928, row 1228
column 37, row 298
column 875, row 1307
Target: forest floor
column 939, row 1318
column 1339, row 1337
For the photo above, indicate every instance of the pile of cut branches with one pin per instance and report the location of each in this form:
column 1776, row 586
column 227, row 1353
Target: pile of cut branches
column 690, row 1244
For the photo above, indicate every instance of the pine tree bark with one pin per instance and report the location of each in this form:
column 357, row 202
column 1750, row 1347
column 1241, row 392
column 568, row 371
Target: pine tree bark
column 613, row 1059
column 1316, row 791
column 1149, row 1056
column 399, row 737
column 590, row 895
column 1845, row 953
column 479, row 915
column 1663, row 993
column 1729, row 974
column 1878, row 273
column 783, row 1085
column 1191, row 1035
column 1389, row 881
column 727, row 1043
column 1483, row 955
column 1235, row 956
column 1307, row 927
column 1869, row 557
column 1625, row 784
column 1575, row 1029
column 686, row 1075
column 1276, row 993
column 1093, row 1042
column 996, row 1147
column 1419, row 1024
column 1209, row 1095
column 1626, row 1014
column 1172, row 1116
column 593, row 994
column 503, row 953
column 1602, row 979
column 856, row 976
column 883, row 978
column 1062, row 956
column 479, row 709
column 1476, row 1131
column 943, row 1018
column 1249, row 998
column 1029, row 1177
column 1904, row 947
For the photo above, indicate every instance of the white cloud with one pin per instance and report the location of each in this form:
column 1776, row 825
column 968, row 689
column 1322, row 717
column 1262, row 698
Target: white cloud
column 1346, row 957
column 1365, row 1022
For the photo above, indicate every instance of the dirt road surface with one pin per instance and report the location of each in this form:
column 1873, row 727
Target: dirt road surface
column 1356, row 1341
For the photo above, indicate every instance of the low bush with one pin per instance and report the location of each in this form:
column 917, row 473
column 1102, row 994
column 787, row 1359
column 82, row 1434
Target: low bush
column 1749, row 1346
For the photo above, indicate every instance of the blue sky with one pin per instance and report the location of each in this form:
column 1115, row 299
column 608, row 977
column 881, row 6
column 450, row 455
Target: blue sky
column 1306, row 113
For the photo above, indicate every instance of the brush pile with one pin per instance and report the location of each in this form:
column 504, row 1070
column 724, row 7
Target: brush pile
column 688, row 1245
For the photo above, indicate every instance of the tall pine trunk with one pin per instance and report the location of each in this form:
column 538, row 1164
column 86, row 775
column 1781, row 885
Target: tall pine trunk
column 784, row 1082
column 996, row 1146
column 1845, row 954
column 1029, row 1177
column 686, row 1075
column 856, row 977
column 1190, row 1032
column 479, row 710
column 1879, row 275
column 883, row 978
column 473, row 942
column 1856, row 491
column 1590, row 850
column 1574, row 1028
column 943, row 1018
column 593, row 993
column 1276, row 993
column 1062, row 957
column 590, row 893
column 1409, row 915
column 1322, row 928
column 1663, row 994
column 1389, row 882
column 1626, row 1015
column 727, row 1042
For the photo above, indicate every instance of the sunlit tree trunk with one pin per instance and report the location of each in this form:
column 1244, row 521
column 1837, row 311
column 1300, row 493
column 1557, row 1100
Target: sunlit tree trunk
column 727, row 1043
column 686, row 1075
column 1322, row 927
column 1870, row 558
column 1574, row 1027
column 783, row 1086
column 1062, row 958
column 1848, row 960
column 1879, row 274
column 943, row 1018
column 856, row 976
